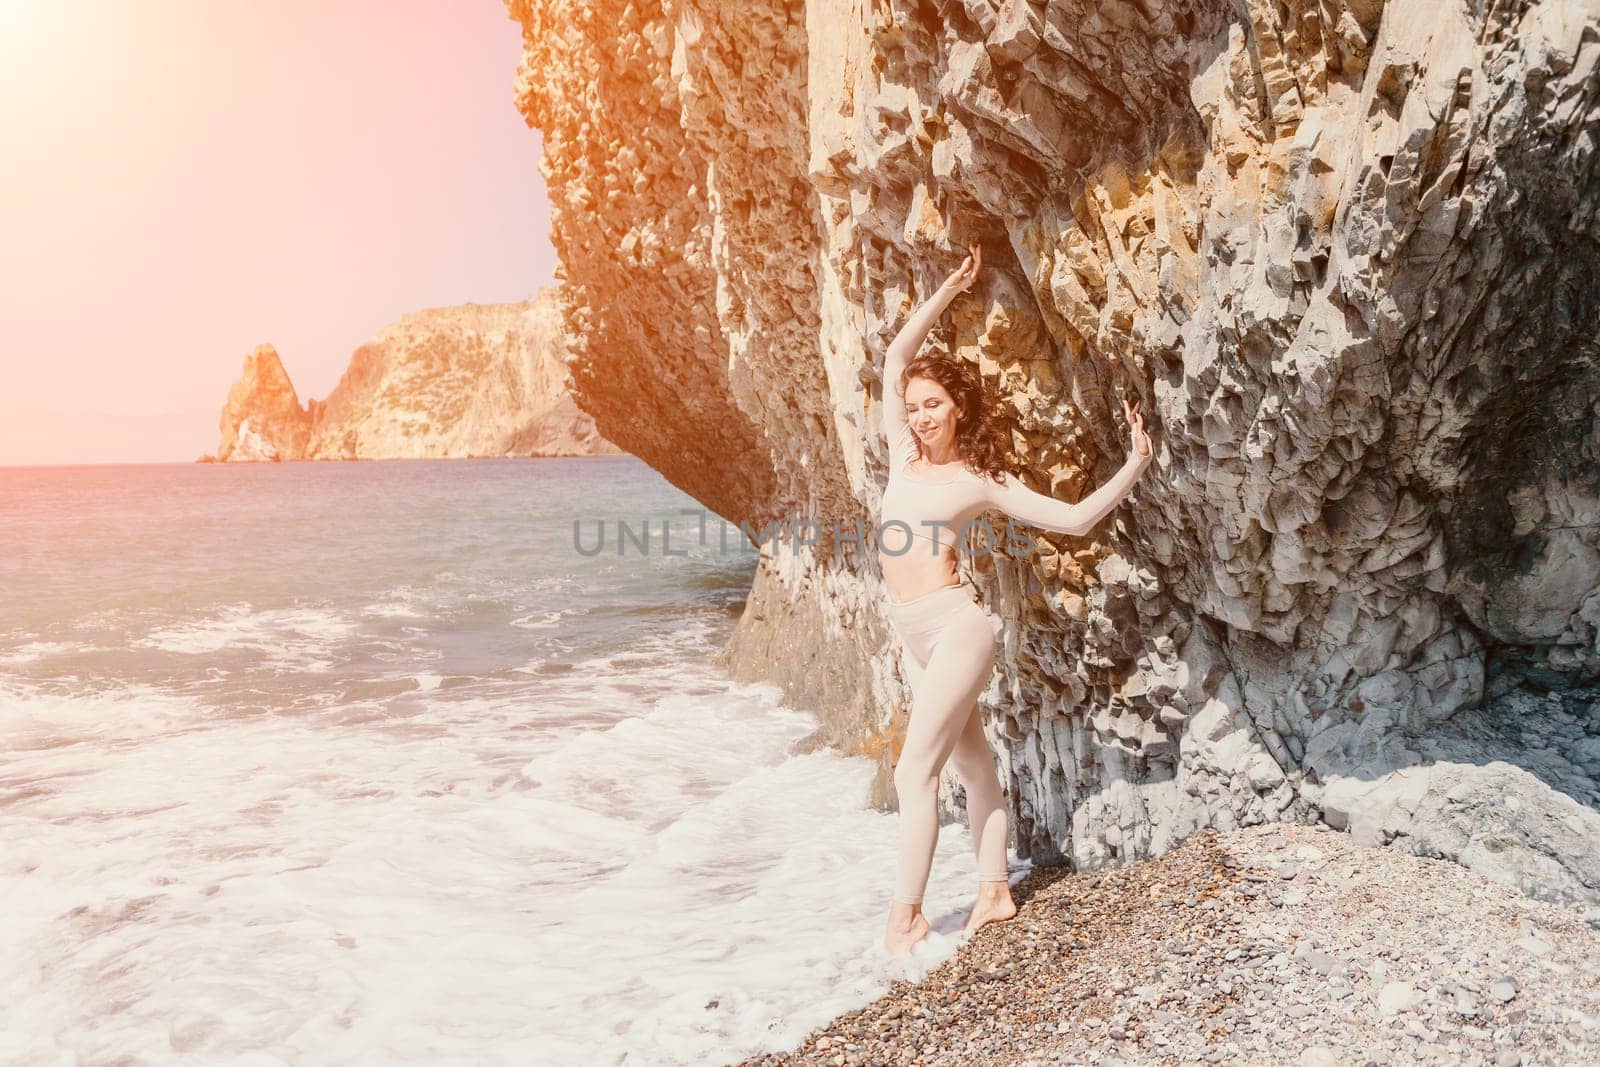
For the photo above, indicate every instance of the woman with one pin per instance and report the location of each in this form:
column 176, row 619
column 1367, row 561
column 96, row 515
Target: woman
column 946, row 469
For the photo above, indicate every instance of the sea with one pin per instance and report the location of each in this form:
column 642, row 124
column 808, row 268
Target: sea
column 413, row 761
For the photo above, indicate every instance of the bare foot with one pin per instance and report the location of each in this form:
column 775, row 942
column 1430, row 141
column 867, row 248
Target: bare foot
column 994, row 906
column 905, row 928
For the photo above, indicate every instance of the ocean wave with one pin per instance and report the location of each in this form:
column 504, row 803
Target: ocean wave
column 34, row 717
column 766, row 903
column 545, row 620
column 289, row 636
column 34, row 651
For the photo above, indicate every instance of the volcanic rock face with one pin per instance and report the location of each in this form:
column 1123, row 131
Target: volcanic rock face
column 1346, row 253
column 476, row 380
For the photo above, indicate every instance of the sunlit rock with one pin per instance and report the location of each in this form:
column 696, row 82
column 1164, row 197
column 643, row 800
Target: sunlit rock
column 1347, row 256
column 474, row 380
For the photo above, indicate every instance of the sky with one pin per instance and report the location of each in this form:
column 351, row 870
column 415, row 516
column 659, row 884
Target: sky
column 183, row 180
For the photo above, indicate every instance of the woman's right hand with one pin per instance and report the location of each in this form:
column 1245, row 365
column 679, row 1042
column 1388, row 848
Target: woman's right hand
column 962, row 277
column 1139, row 444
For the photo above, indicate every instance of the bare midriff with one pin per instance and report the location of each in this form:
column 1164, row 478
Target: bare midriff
column 918, row 572
column 926, row 566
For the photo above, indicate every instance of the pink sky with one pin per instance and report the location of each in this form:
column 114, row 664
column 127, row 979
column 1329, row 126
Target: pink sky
column 183, row 181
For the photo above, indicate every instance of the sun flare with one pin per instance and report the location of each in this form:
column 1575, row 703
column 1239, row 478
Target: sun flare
column 19, row 19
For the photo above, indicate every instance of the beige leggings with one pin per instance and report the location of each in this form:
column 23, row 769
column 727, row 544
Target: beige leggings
column 950, row 646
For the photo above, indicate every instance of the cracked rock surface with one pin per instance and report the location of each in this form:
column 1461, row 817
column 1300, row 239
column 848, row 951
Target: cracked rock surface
column 1345, row 252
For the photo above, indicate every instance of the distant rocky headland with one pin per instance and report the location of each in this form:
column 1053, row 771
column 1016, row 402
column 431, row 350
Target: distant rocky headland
column 472, row 381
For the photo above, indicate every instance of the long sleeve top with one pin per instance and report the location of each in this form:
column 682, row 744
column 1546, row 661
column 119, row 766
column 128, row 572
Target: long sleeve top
column 936, row 511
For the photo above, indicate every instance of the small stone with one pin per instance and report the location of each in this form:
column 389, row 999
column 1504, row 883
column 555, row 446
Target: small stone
column 1316, row 959
column 1418, row 1031
column 1396, row 997
column 1503, row 989
column 1319, row 1056
column 1536, row 945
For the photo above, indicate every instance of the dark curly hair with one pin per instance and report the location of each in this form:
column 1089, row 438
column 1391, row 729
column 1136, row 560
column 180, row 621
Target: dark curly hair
column 979, row 438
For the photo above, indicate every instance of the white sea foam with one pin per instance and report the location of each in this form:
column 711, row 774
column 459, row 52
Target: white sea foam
column 384, row 610
column 384, row 826
column 33, row 651
column 401, row 602
column 33, row 717
column 767, row 882
column 671, row 888
column 544, row 620
column 288, row 636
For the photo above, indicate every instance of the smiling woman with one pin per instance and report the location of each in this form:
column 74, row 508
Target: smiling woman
column 947, row 466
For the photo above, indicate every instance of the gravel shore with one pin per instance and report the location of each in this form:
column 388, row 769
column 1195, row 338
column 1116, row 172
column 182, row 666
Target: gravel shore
column 1265, row 945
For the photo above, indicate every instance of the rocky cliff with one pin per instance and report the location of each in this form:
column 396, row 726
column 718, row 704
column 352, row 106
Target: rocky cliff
column 1346, row 253
column 475, row 380
column 262, row 419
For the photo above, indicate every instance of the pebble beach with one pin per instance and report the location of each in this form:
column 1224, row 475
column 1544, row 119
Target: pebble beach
column 1278, row 944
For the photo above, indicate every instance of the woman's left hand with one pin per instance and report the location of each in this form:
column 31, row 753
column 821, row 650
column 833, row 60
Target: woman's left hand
column 1138, row 441
column 962, row 277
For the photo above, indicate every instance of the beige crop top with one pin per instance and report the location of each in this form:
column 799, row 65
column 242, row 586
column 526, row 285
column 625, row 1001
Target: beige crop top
column 954, row 501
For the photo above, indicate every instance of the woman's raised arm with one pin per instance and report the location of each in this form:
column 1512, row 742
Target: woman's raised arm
column 1058, row 516
column 905, row 345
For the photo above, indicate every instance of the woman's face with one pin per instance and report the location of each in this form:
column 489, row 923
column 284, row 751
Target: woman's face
column 931, row 413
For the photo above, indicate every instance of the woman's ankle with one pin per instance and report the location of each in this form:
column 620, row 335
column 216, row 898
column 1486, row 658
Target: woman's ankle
column 904, row 910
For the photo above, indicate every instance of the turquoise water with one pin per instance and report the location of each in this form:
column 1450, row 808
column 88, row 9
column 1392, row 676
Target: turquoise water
column 366, row 763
